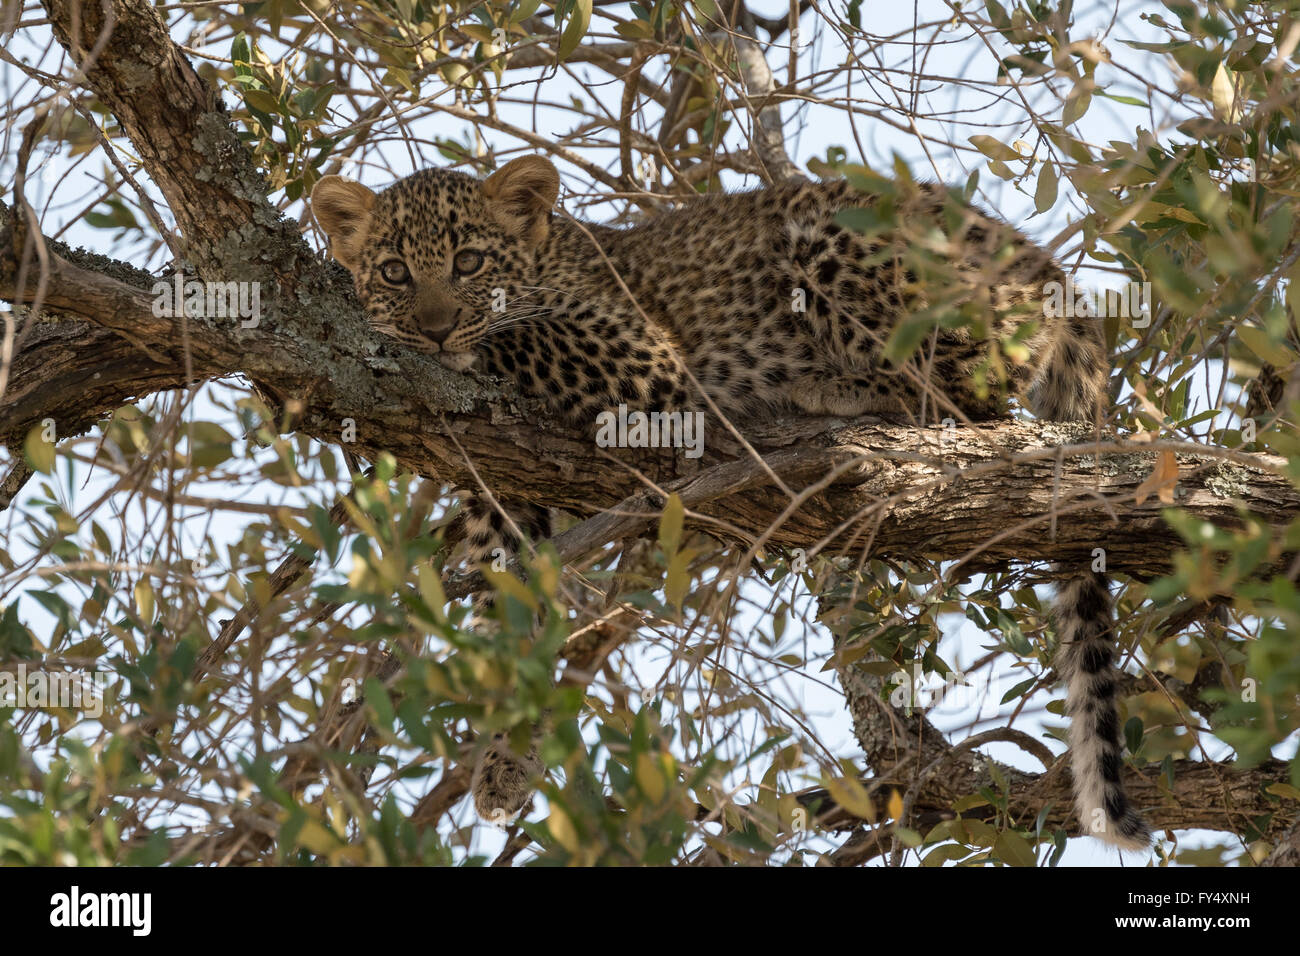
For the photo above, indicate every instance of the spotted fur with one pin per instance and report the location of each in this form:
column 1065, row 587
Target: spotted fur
column 765, row 302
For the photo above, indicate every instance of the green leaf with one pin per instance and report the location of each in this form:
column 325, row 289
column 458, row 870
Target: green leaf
column 239, row 54
column 1045, row 194
column 907, row 338
column 1133, row 734
column 1019, row 689
column 1077, row 102
column 1014, row 849
column 634, row 30
column 994, row 148
column 524, row 9
column 1127, row 100
column 379, row 703
column 1001, row 170
column 210, row 445
column 856, row 13
column 944, row 853
column 262, row 100
column 997, row 14
column 576, row 28
column 118, row 216
column 1262, row 344
column 709, row 9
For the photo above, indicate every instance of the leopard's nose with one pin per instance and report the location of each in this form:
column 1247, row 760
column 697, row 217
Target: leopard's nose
column 436, row 324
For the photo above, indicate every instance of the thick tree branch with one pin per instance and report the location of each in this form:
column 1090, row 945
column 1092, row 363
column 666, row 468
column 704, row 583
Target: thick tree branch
column 984, row 495
column 173, row 118
column 1204, row 795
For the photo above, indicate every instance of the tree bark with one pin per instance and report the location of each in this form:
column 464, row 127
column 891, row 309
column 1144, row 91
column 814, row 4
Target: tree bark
column 983, row 495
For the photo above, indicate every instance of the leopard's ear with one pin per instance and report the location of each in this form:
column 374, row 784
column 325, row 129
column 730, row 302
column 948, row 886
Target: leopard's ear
column 521, row 195
column 342, row 208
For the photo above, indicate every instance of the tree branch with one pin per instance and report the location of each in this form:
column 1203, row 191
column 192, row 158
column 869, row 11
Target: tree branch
column 1205, row 795
column 983, row 495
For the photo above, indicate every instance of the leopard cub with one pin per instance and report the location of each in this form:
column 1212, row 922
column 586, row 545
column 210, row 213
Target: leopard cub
column 745, row 305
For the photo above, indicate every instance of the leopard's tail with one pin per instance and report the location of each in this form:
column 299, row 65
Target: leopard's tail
column 1086, row 662
column 1073, row 371
column 1071, row 386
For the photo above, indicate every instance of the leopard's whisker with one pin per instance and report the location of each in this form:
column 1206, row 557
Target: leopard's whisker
column 522, row 316
column 523, row 310
column 512, row 324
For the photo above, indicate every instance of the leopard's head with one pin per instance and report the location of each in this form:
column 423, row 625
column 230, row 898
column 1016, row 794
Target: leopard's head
column 437, row 255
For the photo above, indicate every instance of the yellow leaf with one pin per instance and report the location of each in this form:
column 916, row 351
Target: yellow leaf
column 144, row 603
column 1077, row 101
column 1262, row 344
column 1140, row 390
column 479, row 31
column 453, row 73
column 1283, row 790
column 677, row 581
column 994, row 148
column 1161, row 481
column 895, row 805
column 853, row 797
column 562, row 829
column 362, row 521
column 431, row 591
column 316, row 838
column 505, row 583
column 650, row 778
column 40, row 453
column 670, row 525
column 1224, row 95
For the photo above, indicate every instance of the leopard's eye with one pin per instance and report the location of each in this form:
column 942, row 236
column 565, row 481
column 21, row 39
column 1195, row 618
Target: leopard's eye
column 467, row 262
column 395, row 271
